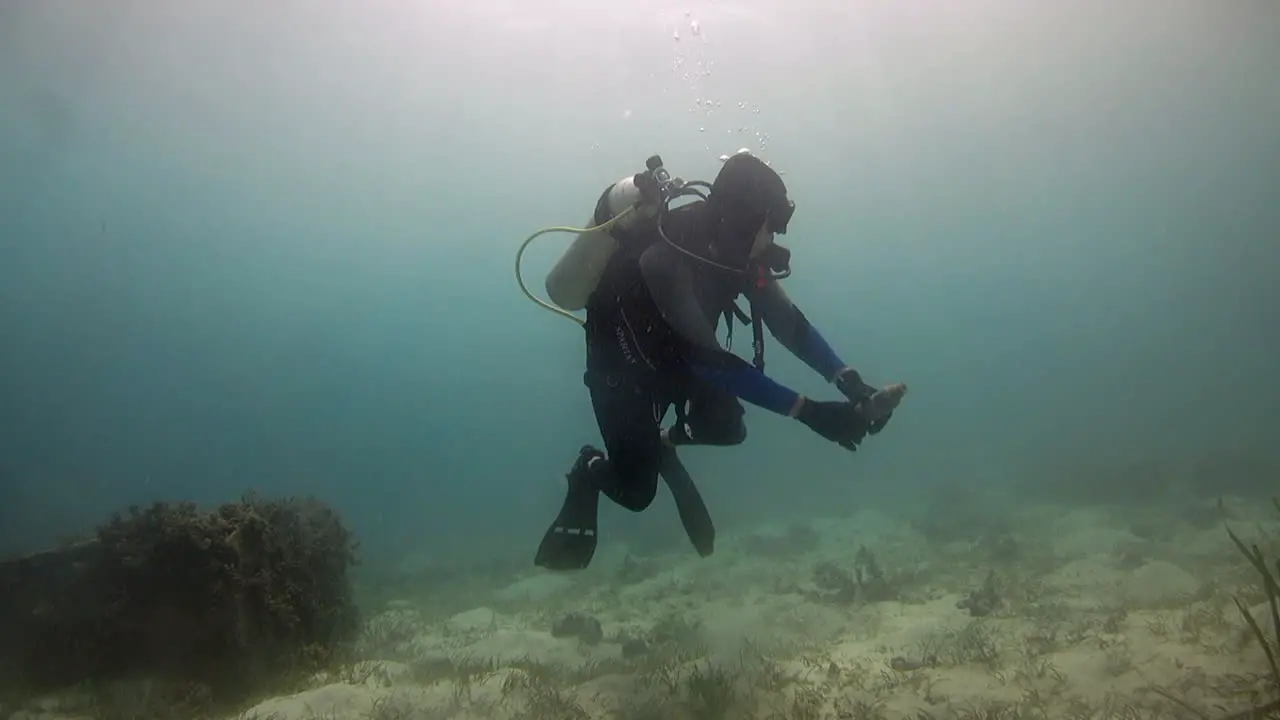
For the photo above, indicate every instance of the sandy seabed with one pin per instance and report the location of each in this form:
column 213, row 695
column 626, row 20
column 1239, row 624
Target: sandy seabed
column 1064, row 612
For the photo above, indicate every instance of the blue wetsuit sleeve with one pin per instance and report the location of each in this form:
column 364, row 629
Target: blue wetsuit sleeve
column 792, row 329
column 817, row 354
column 750, row 384
column 670, row 283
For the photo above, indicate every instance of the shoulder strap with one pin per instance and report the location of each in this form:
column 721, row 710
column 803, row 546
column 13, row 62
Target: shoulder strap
column 756, row 321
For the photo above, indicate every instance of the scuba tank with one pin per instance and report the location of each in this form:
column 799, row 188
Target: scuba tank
column 577, row 273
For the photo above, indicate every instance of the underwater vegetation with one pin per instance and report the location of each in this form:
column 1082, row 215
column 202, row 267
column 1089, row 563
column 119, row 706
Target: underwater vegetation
column 1270, row 645
column 207, row 607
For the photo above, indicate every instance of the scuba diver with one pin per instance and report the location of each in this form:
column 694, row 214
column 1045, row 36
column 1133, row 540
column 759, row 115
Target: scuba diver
column 655, row 281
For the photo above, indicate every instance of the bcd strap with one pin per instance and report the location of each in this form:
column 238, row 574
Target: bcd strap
column 757, row 337
column 757, row 324
column 756, row 321
column 728, row 322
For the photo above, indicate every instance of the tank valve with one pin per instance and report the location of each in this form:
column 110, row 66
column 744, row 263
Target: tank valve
column 657, row 184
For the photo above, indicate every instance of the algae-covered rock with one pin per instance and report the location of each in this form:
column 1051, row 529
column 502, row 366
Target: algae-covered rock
column 229, row 600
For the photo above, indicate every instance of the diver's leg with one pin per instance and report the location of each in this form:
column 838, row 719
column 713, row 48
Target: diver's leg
column 713, row 418
column 628, row 475
column 628, row 417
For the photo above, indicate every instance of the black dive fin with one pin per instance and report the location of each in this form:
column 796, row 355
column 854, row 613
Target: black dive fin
column 570, row 542
column 693, row 511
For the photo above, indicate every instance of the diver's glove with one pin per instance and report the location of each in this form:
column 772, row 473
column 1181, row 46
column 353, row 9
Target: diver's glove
column 877, row 405
column 840, row 422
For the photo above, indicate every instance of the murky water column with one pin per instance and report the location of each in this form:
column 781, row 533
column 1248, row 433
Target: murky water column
column 738, row 118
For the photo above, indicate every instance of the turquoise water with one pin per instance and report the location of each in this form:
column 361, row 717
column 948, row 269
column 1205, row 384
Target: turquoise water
column 272, row 247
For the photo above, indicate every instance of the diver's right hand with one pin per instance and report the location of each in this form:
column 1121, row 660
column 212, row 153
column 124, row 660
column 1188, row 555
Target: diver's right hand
column 840, row 422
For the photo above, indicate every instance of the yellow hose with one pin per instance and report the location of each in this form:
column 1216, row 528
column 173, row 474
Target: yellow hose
column 560, row 228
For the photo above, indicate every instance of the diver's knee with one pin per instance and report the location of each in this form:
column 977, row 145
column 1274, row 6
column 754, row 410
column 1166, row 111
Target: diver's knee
column 734, row 433
column 638, row 495
column 637, row 481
